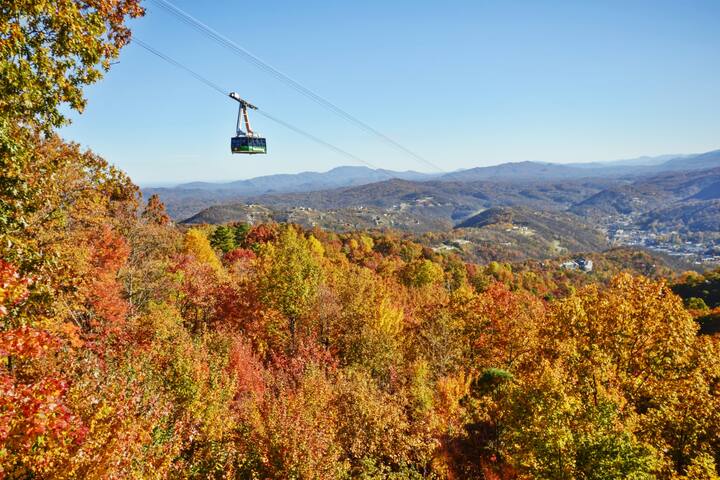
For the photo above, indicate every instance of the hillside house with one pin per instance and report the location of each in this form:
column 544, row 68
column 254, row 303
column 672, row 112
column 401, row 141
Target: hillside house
column 582, row 264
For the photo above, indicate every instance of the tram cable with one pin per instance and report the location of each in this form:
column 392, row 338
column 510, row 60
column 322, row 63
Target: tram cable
column 179, row 65
column 219, row 89
column 259, row 63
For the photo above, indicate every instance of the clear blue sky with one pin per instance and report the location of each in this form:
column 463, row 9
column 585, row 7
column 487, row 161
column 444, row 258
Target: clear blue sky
column 464, row 83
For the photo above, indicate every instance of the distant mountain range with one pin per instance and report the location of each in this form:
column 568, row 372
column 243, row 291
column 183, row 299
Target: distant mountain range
column 306, row 181
column 643, row 161
column 186, row 200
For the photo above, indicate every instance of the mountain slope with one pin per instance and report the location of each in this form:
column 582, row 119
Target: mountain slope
column 524, row 171
column 711, row 192
column 695, row 216
column 543, row 233
column 623, row 199
column 693, row 162
column 187, row 199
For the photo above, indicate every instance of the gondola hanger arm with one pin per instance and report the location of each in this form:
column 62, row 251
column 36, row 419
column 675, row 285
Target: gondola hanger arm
column 242, row 101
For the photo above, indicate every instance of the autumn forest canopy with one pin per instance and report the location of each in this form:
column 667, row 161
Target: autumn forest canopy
column 132, row 347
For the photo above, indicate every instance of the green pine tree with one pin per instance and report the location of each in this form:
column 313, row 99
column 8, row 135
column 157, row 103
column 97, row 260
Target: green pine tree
column 223, row 239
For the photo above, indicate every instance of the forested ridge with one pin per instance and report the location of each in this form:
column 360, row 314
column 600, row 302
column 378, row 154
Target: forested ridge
column 131, row 347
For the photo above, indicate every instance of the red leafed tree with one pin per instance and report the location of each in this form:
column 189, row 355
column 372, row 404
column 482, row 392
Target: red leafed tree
column 238, row 255
column 198, row 291
column 155, row 212
column 508, row 326
column 34, row 417
column 109, row 252
column 261, row 234
column 236, row 306
column 247, row 369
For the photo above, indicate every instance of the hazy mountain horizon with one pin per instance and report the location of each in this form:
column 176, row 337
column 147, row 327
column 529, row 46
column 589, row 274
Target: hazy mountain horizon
column 358, row 172
column 365, row 174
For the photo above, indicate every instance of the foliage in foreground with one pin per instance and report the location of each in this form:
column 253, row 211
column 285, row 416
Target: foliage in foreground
column 143, row 351
column 132, row 349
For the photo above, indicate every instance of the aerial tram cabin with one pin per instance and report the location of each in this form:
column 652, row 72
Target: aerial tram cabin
column 246, row 141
